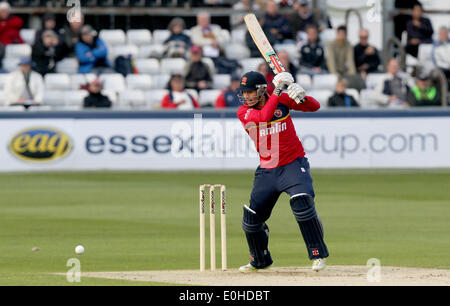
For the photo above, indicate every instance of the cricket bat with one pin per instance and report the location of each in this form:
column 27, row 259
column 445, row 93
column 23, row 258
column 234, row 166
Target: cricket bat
column 263, row 44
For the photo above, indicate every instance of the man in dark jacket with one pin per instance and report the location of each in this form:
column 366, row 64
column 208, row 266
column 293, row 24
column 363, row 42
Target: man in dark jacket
column 275, row 23
column 312, row 55
column 420, row 31
column 46, row 52
column 303, row 16
column 367, row 58
column 95, row 98
column 340, row 98
column 197, row 73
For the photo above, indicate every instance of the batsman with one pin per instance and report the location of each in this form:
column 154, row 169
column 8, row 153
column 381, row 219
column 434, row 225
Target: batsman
column 283, row 166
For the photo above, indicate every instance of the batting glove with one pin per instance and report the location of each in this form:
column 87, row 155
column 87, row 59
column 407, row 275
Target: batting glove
column 296, row 92
column 282, row 81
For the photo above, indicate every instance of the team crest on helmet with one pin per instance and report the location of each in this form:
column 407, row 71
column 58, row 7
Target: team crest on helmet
column 278, row 113
column 244, row 81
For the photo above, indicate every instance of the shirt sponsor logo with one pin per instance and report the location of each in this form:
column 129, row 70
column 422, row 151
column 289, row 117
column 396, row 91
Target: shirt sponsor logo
column 275, row 128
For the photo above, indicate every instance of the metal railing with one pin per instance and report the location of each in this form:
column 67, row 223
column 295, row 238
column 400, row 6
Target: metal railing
column 438, row 75
column 388, row 54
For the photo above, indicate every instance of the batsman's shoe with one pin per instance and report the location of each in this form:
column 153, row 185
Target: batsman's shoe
column 248, row 268
column 319, row 264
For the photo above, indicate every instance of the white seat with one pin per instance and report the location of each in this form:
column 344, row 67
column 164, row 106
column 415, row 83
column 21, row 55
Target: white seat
column 17, row 51
column 251, row 63
column 54, row 97
column 304, row 80
column 113, row 81
column 67, row 65
column 354, row 93
column 375, row 79
column 321, row 95
column 139, row 81
column 291, row 49
column 237, row 51
column 324, row 81
column 208, row 61
column 75, row 97
column 327, row 35
column 3, row 78
column 153, row 50
column 159, row 36
column 139, row 37
column 77, row 80
column 221, row 81
column 161, row 81
column 173, row 65
column 208, row 96
column 238, row 36
column 225, row 34
column 28, row 35
column 193, row 93
column 11, row 64
column 112, row 96
column 57, row 81
column 147, row 65
column 113, row 37
column 187, row 32
column 132, row 98
column 154, row 97
column 125, row 50
column 425, row 52
column 366, row 98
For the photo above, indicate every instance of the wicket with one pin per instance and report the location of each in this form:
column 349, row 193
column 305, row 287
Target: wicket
column 212, row 227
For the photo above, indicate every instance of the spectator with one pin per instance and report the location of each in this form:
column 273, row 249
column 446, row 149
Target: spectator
column 71, row 33
column 237, row 18
column 419, row 29
column 395, row 89
column 339, row 55
column 340, row 97
column 48, row 23
column 47, row 51
column 366, row 56
column 303, row 16
column 207, row 35
column 254, row 51
column 424, row 93
column 276, row 24
column 178, row 97
column 264, row 69
column 441, row 52
column 312, row 55
column 197, row 73
column 96, row 99
column 10, row 26
column 178, row 44
column 229, row 96
column 287, row 63
column 24, row 86
column 92, row 52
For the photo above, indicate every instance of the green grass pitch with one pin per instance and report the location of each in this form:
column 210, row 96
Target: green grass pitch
column 149, row 221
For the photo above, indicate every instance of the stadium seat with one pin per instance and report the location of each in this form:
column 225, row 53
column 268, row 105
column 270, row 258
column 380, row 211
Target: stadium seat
column 154, row 97
column 226, row 35
column 375, row 79
column 3, row 77
column 139, row 81
column 327, row 35
column 161, row 81
column 152, row 50
column 57, row 81
column 112, row 95
column 173, row 65
column 113, row 81
column 77, row 80
column 10, row 64
column 125, row 50
column 2, row 99
column 54, row 97
column 147, row 65
column 17, row 51
column 291, row 49
column 304, row 80
column 324, row 81
column 221, row 81
column 238, row 36
column 132, row 99
column 366, row 99
column 251, row 63
column 321, row 95
column 159, row 36
column 425, row 52
column 208, row 61
column 187, row 32
column 28, row 35
column 236, row 51
column 353, row 92
column 75, row 97
column 139, row 37
column 67, row 65
column 208, row 97
column 193, row 93
column 113, row 37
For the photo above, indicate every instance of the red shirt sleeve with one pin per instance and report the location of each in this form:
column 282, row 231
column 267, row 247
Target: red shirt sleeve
column 220, row 101
column 166, row 103
column 247, row 114
column 309, row 105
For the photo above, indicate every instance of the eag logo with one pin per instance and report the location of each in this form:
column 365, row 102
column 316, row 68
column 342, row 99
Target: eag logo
column 40, row 144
